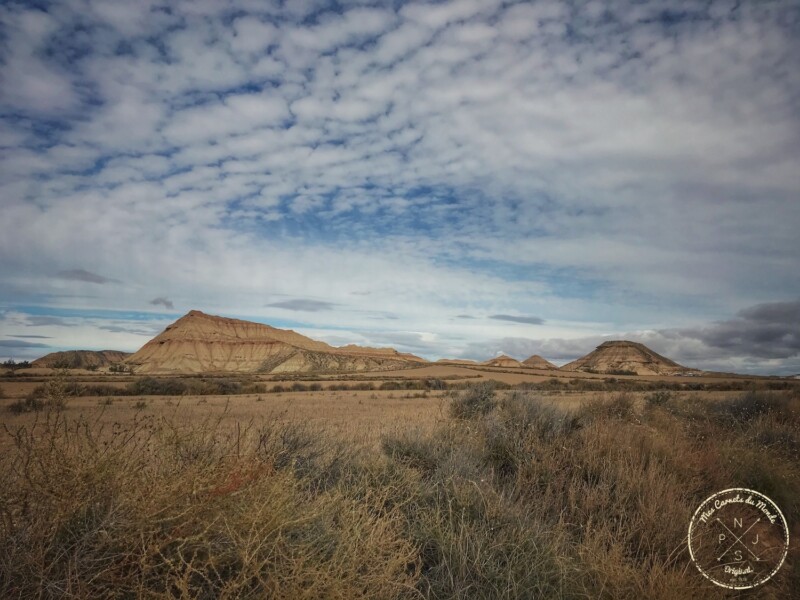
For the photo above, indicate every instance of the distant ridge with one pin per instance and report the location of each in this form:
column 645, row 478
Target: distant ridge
column 81, row 359
column 457, row 361
column 537, row 362
column 201, row 343
column 622, row 356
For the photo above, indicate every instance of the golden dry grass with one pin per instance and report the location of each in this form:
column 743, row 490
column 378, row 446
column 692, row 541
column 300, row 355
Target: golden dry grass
column 384, row 494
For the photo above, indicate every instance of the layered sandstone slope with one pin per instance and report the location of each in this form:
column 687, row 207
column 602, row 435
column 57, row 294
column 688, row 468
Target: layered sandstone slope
column 502, row 361
column 537, row 362
column 201, row 343
column 81, row 359
column 623, row 356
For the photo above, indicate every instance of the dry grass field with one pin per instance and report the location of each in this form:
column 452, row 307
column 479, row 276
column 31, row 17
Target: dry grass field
column 440, row 485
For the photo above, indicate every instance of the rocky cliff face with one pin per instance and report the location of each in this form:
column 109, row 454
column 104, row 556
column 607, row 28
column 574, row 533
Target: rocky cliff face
column 614, row 357
column 81, row 359
column 201, row 343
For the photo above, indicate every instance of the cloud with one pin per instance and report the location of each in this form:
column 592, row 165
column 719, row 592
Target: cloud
column 161, row 301
column 132, row 329
column 769, row 330
column 43, row 337
column 44, row 320
column 403, row 341
column 83, row 275
column 519, row 319
column 21, row 344
column 303, row 304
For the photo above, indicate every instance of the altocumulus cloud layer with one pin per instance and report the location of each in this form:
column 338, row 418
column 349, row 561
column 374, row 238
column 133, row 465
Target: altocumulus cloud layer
column 557, row 173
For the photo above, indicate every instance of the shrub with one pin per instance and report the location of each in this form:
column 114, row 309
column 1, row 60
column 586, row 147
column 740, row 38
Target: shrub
column 620, row 407
column 658, row 398
column 412, row 448
column 525, row 414
column 28, row 404
column 137, row 519
column 436, row 384
column 478, row 399
column 750, row 406
column 149, row 386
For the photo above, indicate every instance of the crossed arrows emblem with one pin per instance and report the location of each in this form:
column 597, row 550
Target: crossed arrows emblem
column 738, row 540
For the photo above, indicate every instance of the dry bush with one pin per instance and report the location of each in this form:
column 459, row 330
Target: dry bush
column 154, row 509
column 621, row 406
column 476, row 400
column 608, row 494
column 51, row 396
column 28, row 404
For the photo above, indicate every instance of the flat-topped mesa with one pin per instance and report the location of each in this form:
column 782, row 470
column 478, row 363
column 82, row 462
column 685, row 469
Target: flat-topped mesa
column 537, row 362
column 502, row 361
column 201, row 343
column 625, row 357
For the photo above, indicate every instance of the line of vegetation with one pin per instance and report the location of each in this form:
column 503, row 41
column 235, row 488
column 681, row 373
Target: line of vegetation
column 12, row 365
column 221, row 386
column 225, row 386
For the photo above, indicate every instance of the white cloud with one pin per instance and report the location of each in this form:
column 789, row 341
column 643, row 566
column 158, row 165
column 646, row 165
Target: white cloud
column 452, row 157
column 253, row 35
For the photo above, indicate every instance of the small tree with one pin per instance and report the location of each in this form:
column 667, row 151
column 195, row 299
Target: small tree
column 55, row 391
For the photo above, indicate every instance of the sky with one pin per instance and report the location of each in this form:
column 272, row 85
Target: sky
column 453, row 179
